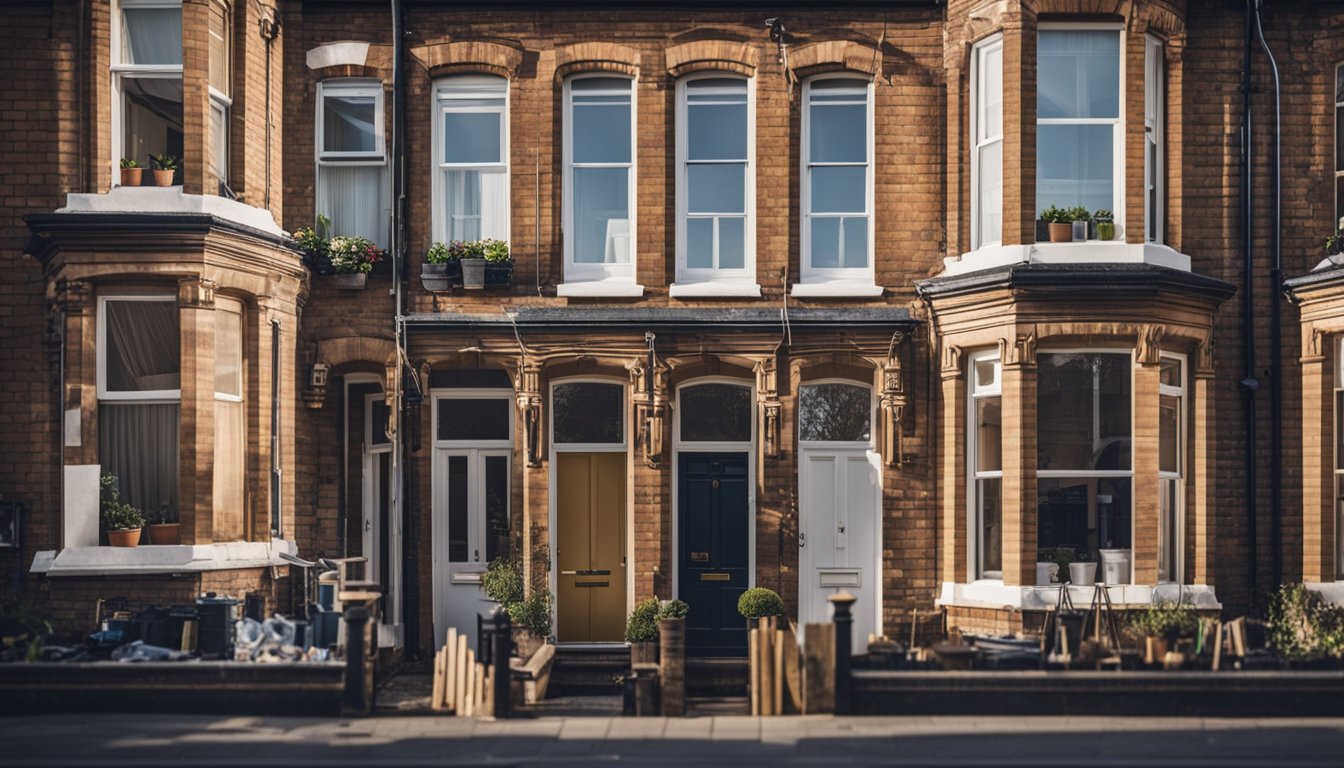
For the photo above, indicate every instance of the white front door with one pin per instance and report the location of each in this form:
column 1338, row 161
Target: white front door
column 840, row 536
column 377, row 482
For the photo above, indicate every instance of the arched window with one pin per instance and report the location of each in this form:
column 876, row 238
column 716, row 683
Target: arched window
column 835, row 412
column 587, row 413
column 715, row 413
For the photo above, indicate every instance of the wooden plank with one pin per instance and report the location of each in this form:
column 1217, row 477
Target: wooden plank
column 460, row 675
column 793, row 674
column 469, row 699
column 767, row 659
column 436, row 690
column 449, row 671
column 779, row 672
column 1217, row 645
column 819, row 668
column 753, row 643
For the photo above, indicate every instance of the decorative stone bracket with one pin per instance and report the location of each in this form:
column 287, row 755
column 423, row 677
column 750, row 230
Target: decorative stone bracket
column 767, row 397
column 651, row 407
column 527, row 386
column 892, row 404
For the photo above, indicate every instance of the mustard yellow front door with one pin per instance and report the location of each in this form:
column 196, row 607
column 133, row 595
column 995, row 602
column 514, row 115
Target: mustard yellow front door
column 590, row 546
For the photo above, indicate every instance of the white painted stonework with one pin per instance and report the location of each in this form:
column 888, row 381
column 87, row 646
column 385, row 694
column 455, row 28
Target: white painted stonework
column 344, row 53
column 171, row 200
column 996, row 595
column 184, row 558
column 1089, row 252
column 79, row 509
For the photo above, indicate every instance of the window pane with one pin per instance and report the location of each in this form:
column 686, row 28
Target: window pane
column 838, row 133
column 1339, row 139
column 1083, row 515
column 991, row 95
column 989, row 434
column 458, row 490
column 143, row 353
column 716, row 131
column 1169, row 434
column 496, row 507
column 700, row 243
column 379, row 416
column 228, row 348
column 1171, row 372
column 139, row 445
column 352, row 197
column 152, row 117
column 716, row 413
column 1078, row 74
column 825, row 243
column 716, row 188
column 989, row 500
column 601, row 215
column 219, row 140
column 732, row 244
column 1339, row 432
column 471, row 137
column 588, row 412
column 229, row 465
column 1083, row 410
column 986, row 374
column 350, row 122
column 1339, row 84
column 601, row 131
column 1075, row 165
column 474, row 418
column 840, row 189
column 855, row 230
column 152, row 36
column 834, row 412
column 989, row 178
column 476, row 205
column 1168, row 533
column 586, row 86
column 219, row 50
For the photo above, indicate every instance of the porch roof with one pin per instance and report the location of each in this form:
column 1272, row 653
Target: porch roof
column 560, row 319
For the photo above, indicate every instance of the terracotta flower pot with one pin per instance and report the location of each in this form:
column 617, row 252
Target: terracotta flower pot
column 1061, row 233
column 131, row 177
column 163, row 178
column 169, row 534
column 127, row 538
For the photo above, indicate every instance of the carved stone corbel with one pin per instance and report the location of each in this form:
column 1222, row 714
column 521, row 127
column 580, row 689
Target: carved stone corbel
column 72, row 296
column 527, row 393
column 951, row 361
column 196, row 292
column 1150, row 344
column 892, row 403
column 767, row 397
column 1022, row 351
column 651, row 405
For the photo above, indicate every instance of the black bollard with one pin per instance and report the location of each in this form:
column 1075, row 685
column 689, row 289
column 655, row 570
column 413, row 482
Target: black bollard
column 356, row 698
column 502, row 673
column 843, row 602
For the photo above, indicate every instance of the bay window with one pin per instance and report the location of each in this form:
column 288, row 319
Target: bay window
column 599, row 183
column 715, row 185
column 139, row 397
column 147, row 80
column 471, row 174
column 1084, row 470
column 985, row 455
column 352, row 159
column 837, row 194
column 1079, row 136
column 987, row 142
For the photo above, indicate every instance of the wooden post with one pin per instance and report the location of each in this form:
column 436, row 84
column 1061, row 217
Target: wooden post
column 766, row 656
column 754, row 670
column 779, row 672
column 460, row 676
column 818, row 669
column 672, row 666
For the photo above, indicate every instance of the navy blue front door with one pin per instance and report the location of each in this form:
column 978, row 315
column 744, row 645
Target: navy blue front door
column 713, row 558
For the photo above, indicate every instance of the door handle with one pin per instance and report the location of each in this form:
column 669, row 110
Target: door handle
column 840, row 528
column 477, row 556
column 802, row 539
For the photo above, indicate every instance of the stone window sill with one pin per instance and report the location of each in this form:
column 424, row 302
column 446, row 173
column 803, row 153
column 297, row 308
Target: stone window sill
column 713, row 289
column 836, row 289
column 1086, row 252
column 171, row 200
column 612, row 289
column 184, row 558
column 994, row 594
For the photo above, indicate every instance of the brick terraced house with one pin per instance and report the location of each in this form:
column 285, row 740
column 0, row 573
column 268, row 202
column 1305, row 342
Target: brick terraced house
column 780, row 310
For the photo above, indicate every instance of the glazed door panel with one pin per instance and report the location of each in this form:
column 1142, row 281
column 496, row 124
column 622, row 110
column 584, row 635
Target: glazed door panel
column 590, row 546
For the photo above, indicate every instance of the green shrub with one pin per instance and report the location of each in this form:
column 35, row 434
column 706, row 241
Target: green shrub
column 533, row 613
column 759, row 601
column 503, row 581
column 1079, row 213
column 1103, row 215
column 23, row 630
column 1055, row 215
column 1170, row 620
column 642, row 626
column 674, row 609
column 495, row 250
column 163, row 162
column 439, row 254
column 1302, row 626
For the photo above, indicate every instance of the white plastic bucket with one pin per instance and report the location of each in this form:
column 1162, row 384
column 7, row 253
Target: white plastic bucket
column 1115, row 566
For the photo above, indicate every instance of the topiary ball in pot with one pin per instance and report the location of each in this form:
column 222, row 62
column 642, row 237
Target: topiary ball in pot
column 642, row 626
column 673, row 609
column 758, row 602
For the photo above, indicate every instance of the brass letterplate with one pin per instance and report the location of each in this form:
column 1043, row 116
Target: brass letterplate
column 700, row 557
column 592, row 584
column 714, row 577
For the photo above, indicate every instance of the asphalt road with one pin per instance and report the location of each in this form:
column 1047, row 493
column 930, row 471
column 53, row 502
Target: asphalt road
column 156, row 740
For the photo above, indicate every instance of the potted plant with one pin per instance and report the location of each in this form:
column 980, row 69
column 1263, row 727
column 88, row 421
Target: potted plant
column 1060, row 222
column 503, row 583
column 163, row 527
column 441, row 266
column 353, row 258
column 1334, row 244
column 498, row 262
column 1079, row 218
column 472, row 259
column 131, row 172
column 758, row 602
column 1082, row 571
column 165, row 167
column 672, row 613
column 121, row 520
column 641, row 632
column 1161, row 625
column 1105, row 224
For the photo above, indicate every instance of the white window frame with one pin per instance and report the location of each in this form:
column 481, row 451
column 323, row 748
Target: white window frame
column 475, row 452
column 1339, row 172
column 445, row 93
column 351, row 86
column 1155, row 140
column 122, row 70
column 1084, row 474
column 841, row 281
column 1338, row 401
column 1118, row 123
column 686, row 277
column 1181, row 393
column 619, row 276
column 222, row 103
column 147, row 397
column 982, row 51
column 242, row 354
column 975, row 393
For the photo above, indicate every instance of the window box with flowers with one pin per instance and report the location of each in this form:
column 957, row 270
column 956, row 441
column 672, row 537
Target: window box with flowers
column 350, row 258
column 475, row 265
column 442, row 268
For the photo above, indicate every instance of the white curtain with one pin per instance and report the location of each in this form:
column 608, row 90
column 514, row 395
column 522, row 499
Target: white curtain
column 139, row 445
column 152, row 36
column 229, row 465
column 352, row 197
column 143, row 353
column 477, row 203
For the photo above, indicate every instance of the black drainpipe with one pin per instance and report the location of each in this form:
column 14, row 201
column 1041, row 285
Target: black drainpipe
column 1275, row 335
column 1249, row 383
